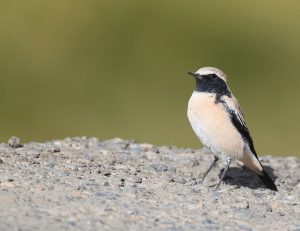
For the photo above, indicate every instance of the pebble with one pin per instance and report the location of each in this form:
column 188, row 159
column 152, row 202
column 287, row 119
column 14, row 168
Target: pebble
column 15, row 142
column 181, row 180
column 138, row 181
column 106, row 183
column 7, row 184
column 160, row 167
column 98, row 171
column 107, row 174
column 56, row 149
column 72, row 166
column 33, row 154
column 135, row 148
column 195, row 163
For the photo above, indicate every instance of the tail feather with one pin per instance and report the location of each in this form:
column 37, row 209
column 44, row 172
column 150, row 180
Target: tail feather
column 267, row 180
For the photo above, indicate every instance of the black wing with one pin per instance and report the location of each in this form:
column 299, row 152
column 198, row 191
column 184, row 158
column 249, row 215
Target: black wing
column 237, row 119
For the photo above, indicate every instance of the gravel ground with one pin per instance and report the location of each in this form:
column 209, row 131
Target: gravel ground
column 91, row 184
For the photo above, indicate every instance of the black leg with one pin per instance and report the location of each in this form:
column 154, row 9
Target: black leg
column 223, row 173
column 209, row 169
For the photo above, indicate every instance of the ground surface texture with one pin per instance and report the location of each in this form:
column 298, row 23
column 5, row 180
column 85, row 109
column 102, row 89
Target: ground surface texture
column 91, row 184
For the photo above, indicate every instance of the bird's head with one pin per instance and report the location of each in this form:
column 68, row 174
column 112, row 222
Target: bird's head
column 210, row 79
column 209, row 72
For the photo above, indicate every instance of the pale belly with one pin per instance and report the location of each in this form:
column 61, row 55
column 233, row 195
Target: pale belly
column 213, row 126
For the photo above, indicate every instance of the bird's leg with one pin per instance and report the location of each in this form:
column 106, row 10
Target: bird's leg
column 209, row 169
column 223, row 173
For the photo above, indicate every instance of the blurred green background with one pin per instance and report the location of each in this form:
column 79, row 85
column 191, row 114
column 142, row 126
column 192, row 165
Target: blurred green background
column 118, row 68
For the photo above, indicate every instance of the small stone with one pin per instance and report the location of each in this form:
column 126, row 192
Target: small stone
column 113, row 162
column 106, row 183
column 1, row 161
column 281, row 213
column 181, row 180
column 122, row 182
column 72, row 223
column 72, row 166
column 269, row 209
column 195, row 163
column 135, row 148
column 15, row 142
column 82, row 165
column 146, row 147
column 107, row 174
column 33, row 154
column 7, row 184
column 56, row 149
column 196, row 189
column 296, row 228
column 207, row 221
column 90, row 157
column 171, row 180
column 138, row 181
column 160, row 167
column 50, row 165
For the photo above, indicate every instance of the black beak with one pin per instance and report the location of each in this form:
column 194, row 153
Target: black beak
column 192, row 74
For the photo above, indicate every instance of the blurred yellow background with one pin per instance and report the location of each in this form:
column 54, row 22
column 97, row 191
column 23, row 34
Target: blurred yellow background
column 118, row 68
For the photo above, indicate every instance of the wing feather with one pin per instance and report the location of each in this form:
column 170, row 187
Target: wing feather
column 233, row 108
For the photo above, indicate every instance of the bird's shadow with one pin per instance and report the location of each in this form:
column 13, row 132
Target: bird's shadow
column 241, row 176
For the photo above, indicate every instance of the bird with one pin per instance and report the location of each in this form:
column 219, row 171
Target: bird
column 218, row 121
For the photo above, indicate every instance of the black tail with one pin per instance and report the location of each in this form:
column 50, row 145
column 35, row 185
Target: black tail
column 267, row 180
